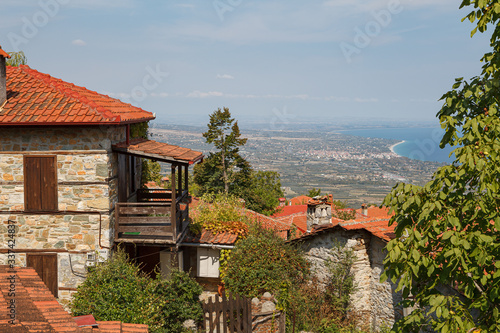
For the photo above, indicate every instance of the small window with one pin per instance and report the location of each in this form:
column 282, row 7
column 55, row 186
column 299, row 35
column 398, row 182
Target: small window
column 208, row 262
column 40, row 183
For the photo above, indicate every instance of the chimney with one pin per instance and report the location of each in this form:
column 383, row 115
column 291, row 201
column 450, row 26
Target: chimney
column 364, row 209
column 3, row 76
column 319, row 212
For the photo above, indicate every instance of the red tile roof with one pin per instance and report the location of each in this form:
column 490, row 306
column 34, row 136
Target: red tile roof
column 300, row 200
column 378, row 227
column 228, row 238
column 289, row 210
column 297, row 219
column 3, row 53
column 36, row 309
column 159, row 150
column 208, row 237
column 374, row 211
column 34, row 98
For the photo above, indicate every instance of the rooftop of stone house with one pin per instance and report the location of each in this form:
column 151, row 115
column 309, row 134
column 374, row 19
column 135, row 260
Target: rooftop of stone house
column 282, row 228
column 379, row 227
column 36, row 309
column 35, row 98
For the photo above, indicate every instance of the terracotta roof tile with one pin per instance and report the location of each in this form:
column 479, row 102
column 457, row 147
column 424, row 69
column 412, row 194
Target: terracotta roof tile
column 159, row 150
column 37, row 310
column 378, row 227
column 300, row 200
column 3, row 53
column 289, row 210
column 34, row 98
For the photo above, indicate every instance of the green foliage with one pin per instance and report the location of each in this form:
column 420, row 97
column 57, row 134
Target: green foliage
column 314, row 192
column 448, row 230
column 17, row 59
column 117, row 291
column 309, row 302
column 340, row 211
column 264, row 262
column 151, row 171
column 227, row 171
column 220, row 212
column 224, row 133
column 263, row 194
column 139, row 130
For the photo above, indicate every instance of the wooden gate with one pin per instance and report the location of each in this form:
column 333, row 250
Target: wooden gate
column 227, row 314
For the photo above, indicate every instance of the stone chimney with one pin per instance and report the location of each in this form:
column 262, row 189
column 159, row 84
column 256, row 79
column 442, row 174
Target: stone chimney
column 364, row 209
column 3, row 76
column 319, row 211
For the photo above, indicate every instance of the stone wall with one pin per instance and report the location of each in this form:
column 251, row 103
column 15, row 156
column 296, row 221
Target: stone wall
column 373, row 302
column 87, row 182
column 265, row 317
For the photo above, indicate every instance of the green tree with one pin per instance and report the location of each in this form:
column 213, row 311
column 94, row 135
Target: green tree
column 117, row 290
column 264, row 262
column 448, row 230
column 224, row 133
column 263, row 193
column 17, row 59
column 314, row 192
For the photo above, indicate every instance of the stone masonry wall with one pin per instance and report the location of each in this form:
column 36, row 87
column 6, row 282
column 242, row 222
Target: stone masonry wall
column 265, row 317
column 383, row 296
column 372, row 302
column 87, row 181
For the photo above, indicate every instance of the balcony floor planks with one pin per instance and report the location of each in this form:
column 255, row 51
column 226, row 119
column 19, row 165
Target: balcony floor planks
column 148, row 231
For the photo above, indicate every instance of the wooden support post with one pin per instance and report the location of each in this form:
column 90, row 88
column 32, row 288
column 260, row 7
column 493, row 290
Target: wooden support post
column 174, row 203
column 186, row 176
column 179, row 180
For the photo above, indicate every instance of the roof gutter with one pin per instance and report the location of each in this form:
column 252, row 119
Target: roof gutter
column 6, row 124
column 211, row 245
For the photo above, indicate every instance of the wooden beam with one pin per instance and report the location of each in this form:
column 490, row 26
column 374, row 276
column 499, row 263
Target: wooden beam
column 174, row 215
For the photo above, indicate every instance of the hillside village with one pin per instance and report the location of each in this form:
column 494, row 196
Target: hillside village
column 104, row 229
column 71, row 187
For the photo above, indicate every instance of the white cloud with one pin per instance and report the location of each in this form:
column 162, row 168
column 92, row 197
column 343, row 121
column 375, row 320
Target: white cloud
column 97, row 4
column 200, row 94
column 78, row 42
column 162, row 94
column 225, row 76
column 185, row 5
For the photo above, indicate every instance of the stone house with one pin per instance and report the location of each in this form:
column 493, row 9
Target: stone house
column 70, row 179
column 374, row 304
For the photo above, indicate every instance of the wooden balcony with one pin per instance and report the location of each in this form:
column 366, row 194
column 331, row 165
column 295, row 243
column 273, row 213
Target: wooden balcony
column 153, row 220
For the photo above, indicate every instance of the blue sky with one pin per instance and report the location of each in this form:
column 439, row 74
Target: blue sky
column 275, row 61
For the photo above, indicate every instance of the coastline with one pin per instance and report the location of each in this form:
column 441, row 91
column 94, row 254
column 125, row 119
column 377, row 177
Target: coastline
column 394, row 145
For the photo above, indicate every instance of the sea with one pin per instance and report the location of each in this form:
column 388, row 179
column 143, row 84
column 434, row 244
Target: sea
column 419, row 143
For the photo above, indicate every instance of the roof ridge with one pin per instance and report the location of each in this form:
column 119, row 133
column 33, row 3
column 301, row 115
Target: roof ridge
column 65, row 89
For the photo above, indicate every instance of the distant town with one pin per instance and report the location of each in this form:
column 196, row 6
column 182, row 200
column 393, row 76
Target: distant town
column 354, row 169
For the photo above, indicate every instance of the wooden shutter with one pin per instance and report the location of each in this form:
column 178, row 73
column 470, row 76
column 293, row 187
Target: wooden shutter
column 40, row 183
column 46, row 267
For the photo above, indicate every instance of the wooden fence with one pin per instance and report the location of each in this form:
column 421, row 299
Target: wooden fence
column 227, row 314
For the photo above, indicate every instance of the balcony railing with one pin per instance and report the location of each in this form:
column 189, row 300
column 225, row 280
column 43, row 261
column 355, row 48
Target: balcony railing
column 154, row 219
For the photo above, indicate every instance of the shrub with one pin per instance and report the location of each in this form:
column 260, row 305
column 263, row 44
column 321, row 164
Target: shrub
column 117, row 291
column 323, row 309
column 263, row 262
column 220, row 212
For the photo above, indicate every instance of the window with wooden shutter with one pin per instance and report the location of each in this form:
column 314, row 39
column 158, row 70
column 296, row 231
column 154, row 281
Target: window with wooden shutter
column 46, row 267
column 40, row 183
